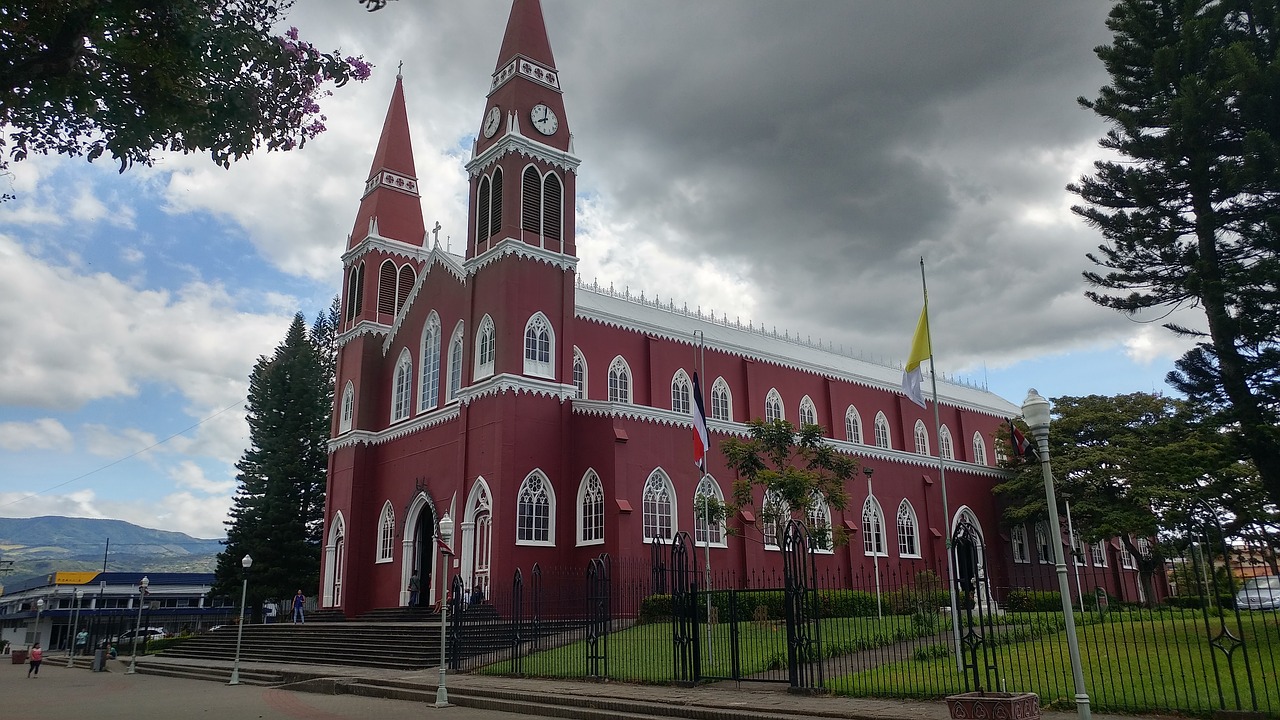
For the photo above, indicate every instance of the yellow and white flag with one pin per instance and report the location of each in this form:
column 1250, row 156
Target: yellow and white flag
column 920, row 350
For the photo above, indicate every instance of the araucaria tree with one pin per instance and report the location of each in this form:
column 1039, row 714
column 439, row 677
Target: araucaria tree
column 797, row 470
column 277, row 512
column 1189, row 210
column 127, row 78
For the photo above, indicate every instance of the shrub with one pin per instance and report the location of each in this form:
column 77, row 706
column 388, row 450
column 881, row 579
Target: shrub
column 655, row 608
column 1034, row 601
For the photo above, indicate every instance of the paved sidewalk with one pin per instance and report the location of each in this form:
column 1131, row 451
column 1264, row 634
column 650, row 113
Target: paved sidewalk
column 757, row 697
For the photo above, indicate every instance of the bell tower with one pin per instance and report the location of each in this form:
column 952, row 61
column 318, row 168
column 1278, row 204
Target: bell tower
column 522, row 172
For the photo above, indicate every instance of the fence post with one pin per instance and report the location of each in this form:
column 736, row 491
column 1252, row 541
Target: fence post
column 517, row 620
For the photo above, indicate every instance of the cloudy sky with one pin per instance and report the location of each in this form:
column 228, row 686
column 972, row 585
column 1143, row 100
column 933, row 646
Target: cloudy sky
column 782, row 161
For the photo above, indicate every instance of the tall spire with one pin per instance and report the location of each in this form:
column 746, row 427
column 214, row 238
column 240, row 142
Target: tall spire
column 391, row 198
column 526, row 35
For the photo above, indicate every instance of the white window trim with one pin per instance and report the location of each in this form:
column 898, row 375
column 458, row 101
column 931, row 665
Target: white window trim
column 915, row 528
column 619, row 363
column 806, row 403
column 536, row 367
column 486, row 329
column 708, row 481
column 769, row 500
column 1021, row 553
column 551, row 510
column 853, row 413
column 979, row 449
column 1098, row 553
column 578, row 357
column 774, row 399
column 723, row 387
column 882, row 422
column 681, row 381
column 946, row 446
column 921, row 433
column 582, row 493
column 878, row 511
column 386, row 526
column 819, row 504
column 1043, row 550
column 404, row 370
column 430, row 329
column 675, row 509
column 347, row 410
column 455, row 340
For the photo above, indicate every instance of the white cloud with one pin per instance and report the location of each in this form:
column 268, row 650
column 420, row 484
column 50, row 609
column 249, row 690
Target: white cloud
column 42, row 434
column 115, row 443
column 187, row 474
column 200, row 517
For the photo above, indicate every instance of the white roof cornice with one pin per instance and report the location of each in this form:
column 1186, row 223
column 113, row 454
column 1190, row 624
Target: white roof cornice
column 513, row 142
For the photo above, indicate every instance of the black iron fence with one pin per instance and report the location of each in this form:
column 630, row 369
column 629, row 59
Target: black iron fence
column 886, row 634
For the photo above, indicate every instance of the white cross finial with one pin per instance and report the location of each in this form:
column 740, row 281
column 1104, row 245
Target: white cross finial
column 435, row 232
column 400, row 71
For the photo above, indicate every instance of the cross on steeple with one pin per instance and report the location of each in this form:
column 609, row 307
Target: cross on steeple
column 435, row 232
column 400, row 71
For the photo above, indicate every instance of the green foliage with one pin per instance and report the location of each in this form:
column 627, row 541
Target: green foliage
column 128, row 78
column 278, row 509
column 1023, row 600
column 797, row 467
column 1187, row 209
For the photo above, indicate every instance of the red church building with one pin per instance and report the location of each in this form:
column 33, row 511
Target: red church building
column 551, row 420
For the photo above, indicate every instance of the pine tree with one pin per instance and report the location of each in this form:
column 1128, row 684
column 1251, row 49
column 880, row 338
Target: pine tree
column 277, row 512
column 1189, row 210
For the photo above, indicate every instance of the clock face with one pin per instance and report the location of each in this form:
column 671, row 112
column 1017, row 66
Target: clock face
column 544, row 119
column 491, row 121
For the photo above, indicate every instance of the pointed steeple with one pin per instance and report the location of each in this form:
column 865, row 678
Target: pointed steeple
column 526, row 35
column 391, row 203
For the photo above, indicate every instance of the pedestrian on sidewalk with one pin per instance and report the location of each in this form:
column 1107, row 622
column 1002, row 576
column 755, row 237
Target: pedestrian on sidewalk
column 298, row 601
column 37, row 655
column 415, row 585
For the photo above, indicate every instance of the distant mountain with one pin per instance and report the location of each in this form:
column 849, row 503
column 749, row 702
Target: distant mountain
column 47, row 544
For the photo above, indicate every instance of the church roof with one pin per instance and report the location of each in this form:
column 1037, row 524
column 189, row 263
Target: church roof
column 391, row 206
column 526, row 35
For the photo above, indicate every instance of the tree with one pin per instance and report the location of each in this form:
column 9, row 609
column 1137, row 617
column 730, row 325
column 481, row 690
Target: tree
column 1189, row 211
column 278, row 508
column 796, row 466
column 1129, row 465
column 128, row 78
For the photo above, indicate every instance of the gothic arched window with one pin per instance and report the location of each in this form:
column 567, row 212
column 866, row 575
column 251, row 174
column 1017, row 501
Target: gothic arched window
column 590, row 510
column 883, row 438
column 873, row 528
column 773, row 406
column 908, row 531
column 486, row 341
column 429, row 378
column 922, row 439
column 539, row 346
column 680, row 393
column 386, row 533
column 619, row 381
column 853, row 425
column 535, row 511
column 659, row 508
column 579, row 374
column 721, row 401
column 402, row 387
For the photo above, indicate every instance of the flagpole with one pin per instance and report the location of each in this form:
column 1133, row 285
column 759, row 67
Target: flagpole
column 706, row 507
column 942, row 473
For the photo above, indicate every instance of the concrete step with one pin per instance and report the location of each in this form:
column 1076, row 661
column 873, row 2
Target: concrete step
column 258, row 677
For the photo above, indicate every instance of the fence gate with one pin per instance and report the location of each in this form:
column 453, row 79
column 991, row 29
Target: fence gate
column 599, row 616
column 684, row 610
column 1211, row 558
column 804, row 634
column 973, row 596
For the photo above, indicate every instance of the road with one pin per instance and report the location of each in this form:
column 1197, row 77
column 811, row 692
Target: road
column 62, row 693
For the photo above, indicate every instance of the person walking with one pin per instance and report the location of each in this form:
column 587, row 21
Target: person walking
column 37, row 656
column 415, row 586
column 298, row 601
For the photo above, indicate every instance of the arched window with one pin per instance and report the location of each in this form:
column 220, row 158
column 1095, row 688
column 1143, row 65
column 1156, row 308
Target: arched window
column 455, row 365
column 979, row 449
column 883, row 438
column 495, row 204
column 535, row 511
column 873, row 529
column 945, row 449
column 774, row 515
column 402, row 387
column 908, row 531
column 818, row 515
column 1042, row 543
column 721, row 401
column 619, row 381
column 387, row 275
column 579, row 374
column 773, row 406
column 1018, row 539
column 539, row 346
column 540, row 206
column 922, row 439
column 347, row 414
column 429, row 378
column 808, row 413
column 531, row 200
column 404, row 285
column 853, row 425
column 659, row 507
column 590, row 510
column 482, row 213
column 386, row 533
column 486, row 339
column 706, row 498
column 355, row 292
column 1098, row 553
column 680, row 393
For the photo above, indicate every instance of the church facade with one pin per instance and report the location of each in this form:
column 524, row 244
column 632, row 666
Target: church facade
column 552, row 420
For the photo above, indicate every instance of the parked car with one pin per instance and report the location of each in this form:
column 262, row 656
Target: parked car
column 144, row 634
column 1260, row 593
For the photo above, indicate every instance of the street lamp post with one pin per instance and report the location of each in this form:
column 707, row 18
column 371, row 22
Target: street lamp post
column 75, row 626
column 39, row 609
column 246, row 562
column 137, row 628
column 446, row 537
column 1035, row 410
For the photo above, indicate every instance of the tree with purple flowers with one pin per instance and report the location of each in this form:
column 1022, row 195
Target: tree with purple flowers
column 130, row 78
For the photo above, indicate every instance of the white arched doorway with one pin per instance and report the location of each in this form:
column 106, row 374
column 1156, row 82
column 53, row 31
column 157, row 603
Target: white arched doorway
column 335, row 560
column 983, row 590
column 477, row 536
column 418, row 550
